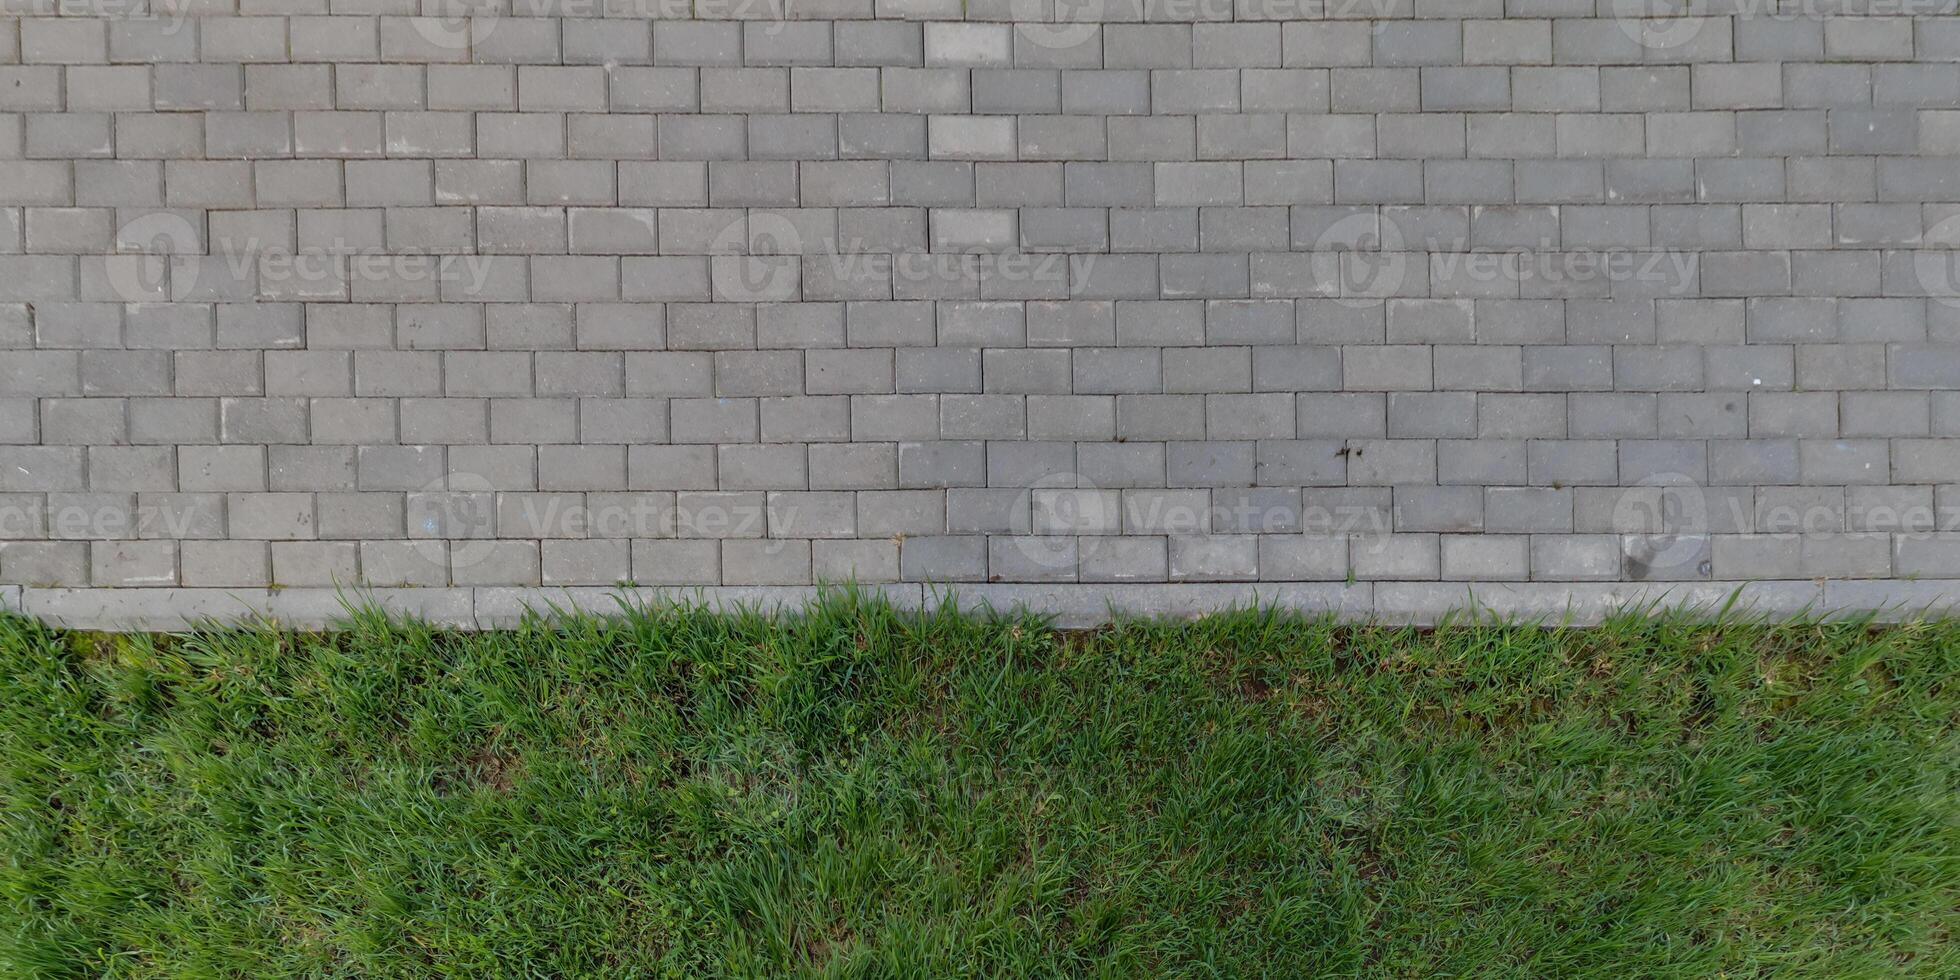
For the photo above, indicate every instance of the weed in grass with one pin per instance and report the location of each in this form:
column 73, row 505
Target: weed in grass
column 862, row 791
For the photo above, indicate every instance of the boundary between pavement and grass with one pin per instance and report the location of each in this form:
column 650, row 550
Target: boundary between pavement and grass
column 1069, row 605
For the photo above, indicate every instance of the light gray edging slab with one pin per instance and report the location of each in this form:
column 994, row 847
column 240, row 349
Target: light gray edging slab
column 501, row 608
column 165, row 610
column 1585, row 603
column 1070, row 605
column 1893, row 600
column 1077, row 606
column 172, row 610
column 320, row 608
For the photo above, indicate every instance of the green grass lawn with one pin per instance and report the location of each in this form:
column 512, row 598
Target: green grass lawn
column 864, row 792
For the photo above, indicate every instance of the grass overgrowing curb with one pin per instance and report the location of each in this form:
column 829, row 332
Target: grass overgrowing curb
column 862, row 791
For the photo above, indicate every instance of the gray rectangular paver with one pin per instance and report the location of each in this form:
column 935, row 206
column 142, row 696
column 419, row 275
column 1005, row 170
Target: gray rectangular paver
column 1530, row 304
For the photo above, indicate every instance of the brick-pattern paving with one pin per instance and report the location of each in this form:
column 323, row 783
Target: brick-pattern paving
column 312, row 292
